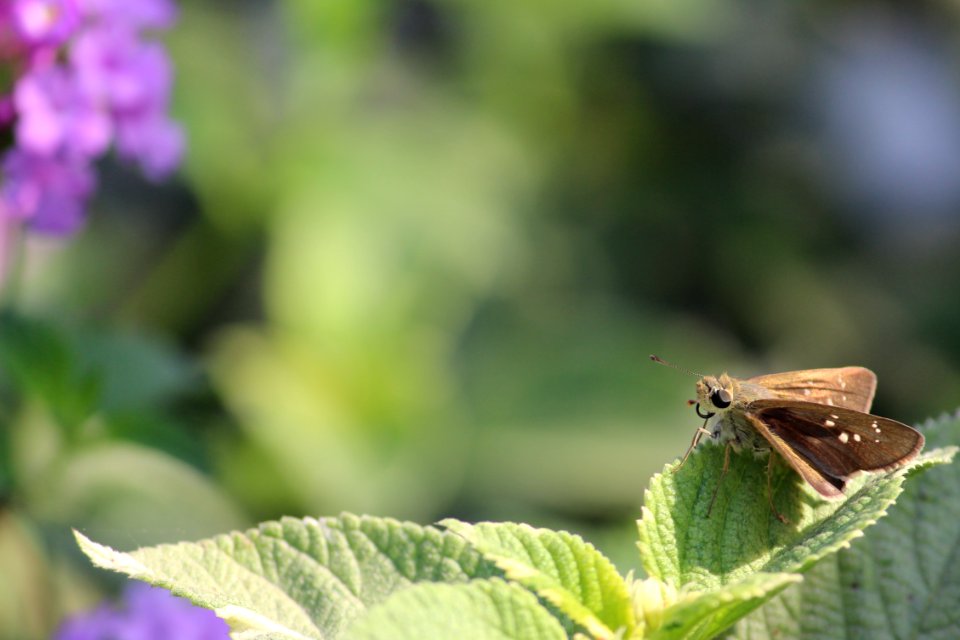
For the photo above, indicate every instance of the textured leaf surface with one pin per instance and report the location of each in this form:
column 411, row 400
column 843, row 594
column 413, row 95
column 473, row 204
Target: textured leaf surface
column 481, row 609
column 705, row 614
column 901, row 581
column 560, row 567
column 679, row 544
column 299, row 578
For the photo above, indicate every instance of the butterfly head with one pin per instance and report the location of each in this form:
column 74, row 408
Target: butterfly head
column 715, row 394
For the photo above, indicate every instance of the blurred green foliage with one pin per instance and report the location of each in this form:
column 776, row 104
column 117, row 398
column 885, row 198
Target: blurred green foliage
column 93, row 438
column 417, row 259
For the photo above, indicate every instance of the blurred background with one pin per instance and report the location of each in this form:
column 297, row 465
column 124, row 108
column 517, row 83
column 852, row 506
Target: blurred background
column 421, row 250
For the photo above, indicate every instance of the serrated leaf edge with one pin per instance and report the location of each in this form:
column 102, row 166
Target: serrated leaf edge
column 559, row 597
column 929, row 459
column 244, row 623
column 665, row 532
column 519, row 571
column 758, row 586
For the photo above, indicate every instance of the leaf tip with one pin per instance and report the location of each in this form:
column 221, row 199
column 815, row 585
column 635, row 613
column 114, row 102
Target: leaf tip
column 108, row 558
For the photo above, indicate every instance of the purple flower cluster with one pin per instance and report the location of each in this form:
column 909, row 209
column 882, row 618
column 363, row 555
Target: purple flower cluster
column 150, row 614
column 80, row 77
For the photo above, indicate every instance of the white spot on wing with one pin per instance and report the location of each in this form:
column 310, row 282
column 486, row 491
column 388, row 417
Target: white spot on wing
column 830, row 423
column 806, row 392
column 834, row 416
column 856, row 437
column 843, row 437
column 830, row 401
column 843, row 383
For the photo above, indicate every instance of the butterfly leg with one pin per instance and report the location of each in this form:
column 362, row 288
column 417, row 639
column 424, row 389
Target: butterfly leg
column 770, row 461
column 699, row 433
column 723, row 474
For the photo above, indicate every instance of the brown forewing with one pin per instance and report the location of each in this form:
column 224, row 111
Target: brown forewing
column 849, row 387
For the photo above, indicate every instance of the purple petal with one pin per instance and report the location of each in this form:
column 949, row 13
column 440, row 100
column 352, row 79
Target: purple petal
column 55, row 116
column 94, row 625
column 151, row 614
column 117, row 70
column 45, row 22
column 49, row 194
column 40, row 127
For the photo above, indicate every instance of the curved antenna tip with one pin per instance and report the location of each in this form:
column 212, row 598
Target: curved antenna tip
column 660, row 360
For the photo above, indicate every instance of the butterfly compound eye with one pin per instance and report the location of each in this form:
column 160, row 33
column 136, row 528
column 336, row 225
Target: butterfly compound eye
column 721, row 398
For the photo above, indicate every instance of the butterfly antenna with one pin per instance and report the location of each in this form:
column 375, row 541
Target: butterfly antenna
column 660, row 360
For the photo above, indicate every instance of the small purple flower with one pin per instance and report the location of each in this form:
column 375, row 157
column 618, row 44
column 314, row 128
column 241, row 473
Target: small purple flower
column 131, row 79
column 151, row 613
column 49, row 194
column 84, row 78
column 45, row 22
column 119, row 71
column 56, row 117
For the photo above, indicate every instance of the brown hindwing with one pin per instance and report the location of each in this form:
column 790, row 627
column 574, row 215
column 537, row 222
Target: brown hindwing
column 828, row 444
column 827, row 486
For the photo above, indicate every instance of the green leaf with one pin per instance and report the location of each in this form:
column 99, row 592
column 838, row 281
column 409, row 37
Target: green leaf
column 561, row 568
column 299, row 578
column 721, row 555
column 40, row 362
column 480, row 609
column 704, row 614
column 76, row 371
column 134, row 371
column 679, row 544
column 901, row 581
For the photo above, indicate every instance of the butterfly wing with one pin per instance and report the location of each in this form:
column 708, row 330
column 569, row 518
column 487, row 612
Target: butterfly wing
column 849, row 387
column 826, row 445
column 826, row 485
